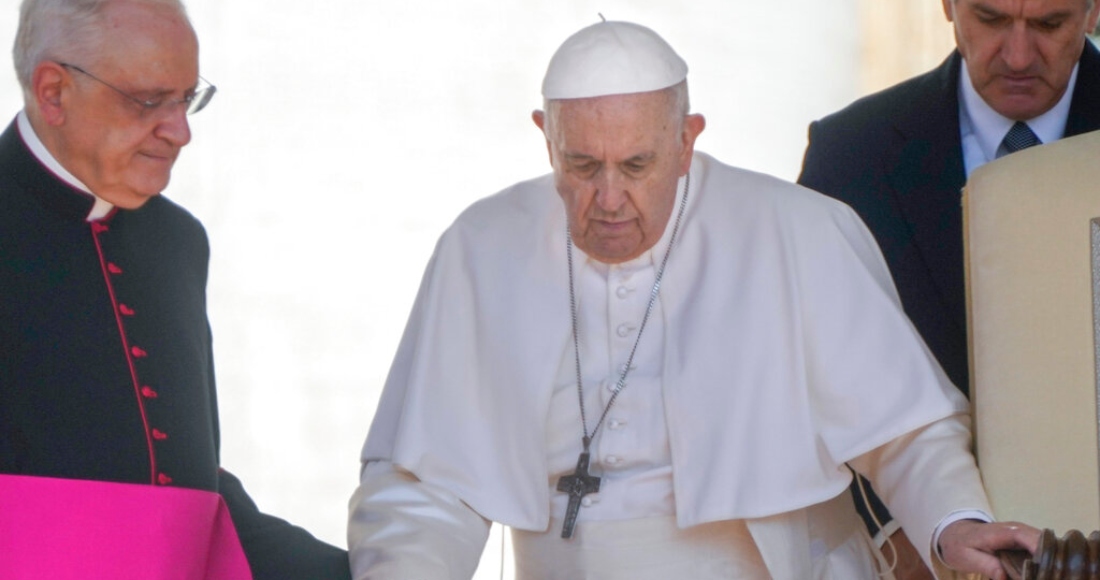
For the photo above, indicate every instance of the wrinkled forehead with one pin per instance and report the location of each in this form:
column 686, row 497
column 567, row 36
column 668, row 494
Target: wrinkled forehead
column 614, row 104
column 148, row 22
column 647, row 109
column 621, row 123
column 148, row 38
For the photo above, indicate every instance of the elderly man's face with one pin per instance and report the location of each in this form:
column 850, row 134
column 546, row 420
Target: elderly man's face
column 121, row 151
column 1020, row 53
column 616, row 163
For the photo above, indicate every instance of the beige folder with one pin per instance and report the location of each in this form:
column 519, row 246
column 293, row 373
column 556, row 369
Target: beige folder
column 1030, row 257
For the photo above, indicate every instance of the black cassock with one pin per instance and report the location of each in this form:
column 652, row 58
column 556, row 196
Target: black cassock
column 106, row 368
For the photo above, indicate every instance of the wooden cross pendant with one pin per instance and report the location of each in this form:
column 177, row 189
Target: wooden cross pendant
column 577, row 486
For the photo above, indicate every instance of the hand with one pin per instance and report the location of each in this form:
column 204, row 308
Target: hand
column 970, row 546
column 909, row 564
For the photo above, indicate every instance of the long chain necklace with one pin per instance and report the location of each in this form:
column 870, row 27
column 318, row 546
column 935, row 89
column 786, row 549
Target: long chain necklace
column 580, row 483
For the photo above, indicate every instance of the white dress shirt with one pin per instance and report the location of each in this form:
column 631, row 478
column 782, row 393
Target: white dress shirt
column 982, row 129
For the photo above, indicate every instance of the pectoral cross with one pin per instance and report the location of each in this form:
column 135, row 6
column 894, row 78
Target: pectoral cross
column 577, row 486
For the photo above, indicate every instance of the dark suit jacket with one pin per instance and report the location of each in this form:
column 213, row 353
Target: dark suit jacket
column 106, row 368
column 896, row 158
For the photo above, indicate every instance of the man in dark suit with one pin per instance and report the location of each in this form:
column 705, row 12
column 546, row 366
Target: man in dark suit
column 106, row 369
column 901, row 156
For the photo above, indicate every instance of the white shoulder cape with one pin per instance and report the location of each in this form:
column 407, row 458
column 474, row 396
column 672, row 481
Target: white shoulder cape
column 787, row 352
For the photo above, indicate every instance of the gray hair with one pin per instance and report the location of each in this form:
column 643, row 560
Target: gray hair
column 678, row 98
column 61, row 30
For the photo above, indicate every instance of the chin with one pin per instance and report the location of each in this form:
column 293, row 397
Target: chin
column 1023, row 105
column 149, row 187
column 138, row 194
column 133, row 200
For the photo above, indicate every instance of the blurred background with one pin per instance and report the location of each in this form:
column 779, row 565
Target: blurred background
column 347, row 134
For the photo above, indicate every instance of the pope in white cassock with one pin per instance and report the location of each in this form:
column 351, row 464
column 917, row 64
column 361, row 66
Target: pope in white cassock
column 652, row 365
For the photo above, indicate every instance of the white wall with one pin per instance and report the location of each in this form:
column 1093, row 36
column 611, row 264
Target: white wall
column 346, row 134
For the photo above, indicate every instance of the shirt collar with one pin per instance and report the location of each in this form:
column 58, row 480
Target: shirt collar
column 990, row 127
column 100, row 208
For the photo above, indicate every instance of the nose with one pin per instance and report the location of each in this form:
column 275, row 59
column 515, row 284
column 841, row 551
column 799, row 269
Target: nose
column 611, row 192
column 1018, row 48
column 174, row 127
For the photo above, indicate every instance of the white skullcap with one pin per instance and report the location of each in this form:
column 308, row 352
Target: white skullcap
column 612, row 58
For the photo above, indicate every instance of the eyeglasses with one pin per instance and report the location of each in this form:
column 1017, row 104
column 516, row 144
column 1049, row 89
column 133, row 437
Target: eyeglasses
column 193, row 102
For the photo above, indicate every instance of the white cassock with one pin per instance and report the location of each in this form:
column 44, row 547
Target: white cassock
column 777, row 353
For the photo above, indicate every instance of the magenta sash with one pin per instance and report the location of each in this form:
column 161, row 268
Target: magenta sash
column 65, row 529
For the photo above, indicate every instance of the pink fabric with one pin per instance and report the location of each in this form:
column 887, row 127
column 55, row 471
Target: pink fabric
column 65, row 529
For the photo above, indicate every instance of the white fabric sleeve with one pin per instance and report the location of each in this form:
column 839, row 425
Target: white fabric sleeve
column 924, row 477
column 401, row 528
column 956, row 517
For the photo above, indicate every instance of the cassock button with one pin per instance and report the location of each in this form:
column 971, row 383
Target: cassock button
column 615, row 424
column 622, row 369
column 112, row 268
column 622, row 292
column 159, row 435
column 612, row 460
column 163, row 479
column 138, row 352
column 125, row 310
column 624, row 330
column 99, row 228
column 588, row 500
column 148, row 392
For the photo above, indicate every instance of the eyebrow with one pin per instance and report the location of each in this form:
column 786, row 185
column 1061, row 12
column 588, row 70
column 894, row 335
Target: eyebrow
column 1056, row 15
column 579, row 157
column 641, row 157
column 162, row 92
column 991, row 11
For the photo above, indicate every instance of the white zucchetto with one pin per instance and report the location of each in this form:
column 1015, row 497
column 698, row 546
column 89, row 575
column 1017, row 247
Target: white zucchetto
column 612, row 58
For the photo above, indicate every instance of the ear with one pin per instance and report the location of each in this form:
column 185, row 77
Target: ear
column 949, row 10
column 539, row 117
column 693, row 126
column 47, row 86
column 1091, row 19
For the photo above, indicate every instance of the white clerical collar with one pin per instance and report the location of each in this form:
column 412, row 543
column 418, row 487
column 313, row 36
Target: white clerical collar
column 990, row 127
column 100, row 208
